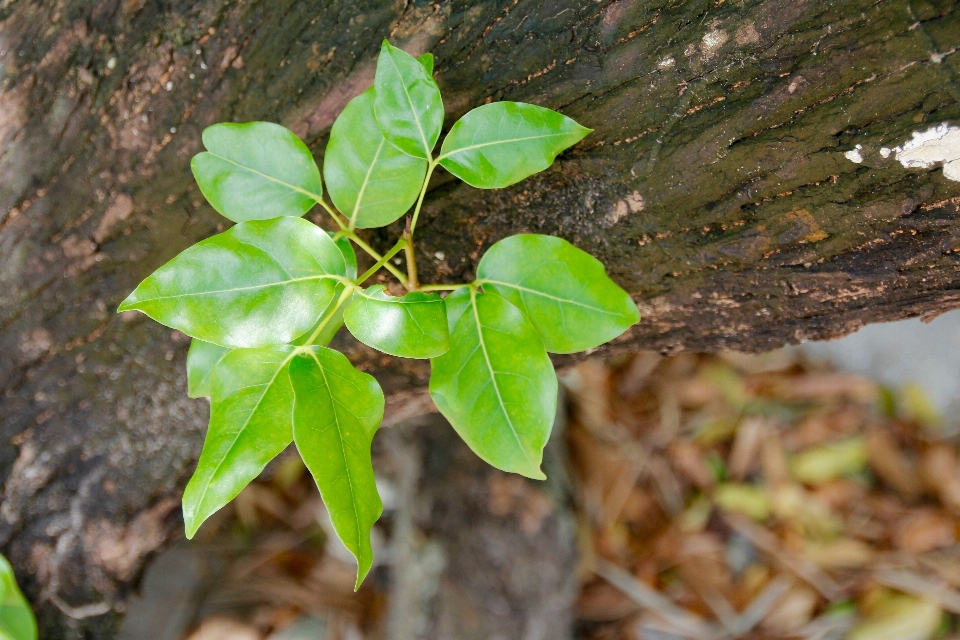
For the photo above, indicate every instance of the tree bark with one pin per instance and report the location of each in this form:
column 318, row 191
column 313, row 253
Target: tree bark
column 738, row 183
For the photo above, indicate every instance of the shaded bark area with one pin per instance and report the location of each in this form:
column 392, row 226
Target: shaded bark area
column 715, row 187
column 476, row 553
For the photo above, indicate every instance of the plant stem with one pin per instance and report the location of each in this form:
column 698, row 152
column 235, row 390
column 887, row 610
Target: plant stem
column 333, row 214
column 411, row 227
column 347, row 292
column 407, row 237
column 373, row 253
column 347, row 232
column 401, row 243
column 423, row 192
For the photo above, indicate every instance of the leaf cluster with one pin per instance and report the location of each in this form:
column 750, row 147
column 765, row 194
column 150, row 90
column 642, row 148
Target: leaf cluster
column 264, row 298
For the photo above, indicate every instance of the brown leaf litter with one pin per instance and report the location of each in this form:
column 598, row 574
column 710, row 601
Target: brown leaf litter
column 718, row 496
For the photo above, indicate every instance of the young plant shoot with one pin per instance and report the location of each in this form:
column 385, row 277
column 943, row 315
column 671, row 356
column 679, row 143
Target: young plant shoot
column 264, row 298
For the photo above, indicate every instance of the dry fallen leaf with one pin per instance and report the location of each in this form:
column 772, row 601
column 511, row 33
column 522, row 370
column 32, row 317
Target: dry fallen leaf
column 762, row 478
column 795, row 609
column 897, row 616
column 925, row 530
column 217, row 628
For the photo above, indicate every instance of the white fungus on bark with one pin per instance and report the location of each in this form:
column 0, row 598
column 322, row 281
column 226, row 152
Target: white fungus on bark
column 931, row 147
column 854, row 155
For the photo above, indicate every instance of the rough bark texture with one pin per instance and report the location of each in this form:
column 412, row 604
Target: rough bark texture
column 476, row 554
column 715, row 187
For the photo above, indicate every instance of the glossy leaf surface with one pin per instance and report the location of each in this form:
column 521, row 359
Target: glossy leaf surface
column 497, row 387
column 427, row 61
column 565, row 292
column 251, row 404
column 261, row 283
column 256, row 171
column 201, row 359
column 457, row 304
column 349, row 257
column 336, row 413
column 414, row 326
column 370, row 181
column 16, row 617
column 408, row 105
column 502, row 143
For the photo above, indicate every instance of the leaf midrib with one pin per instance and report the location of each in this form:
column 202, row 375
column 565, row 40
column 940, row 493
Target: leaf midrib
column 413, row 109
column 246, row 423
column 366, row 181
column 249, row 288
column 343, row 450
column 496, row 142
column 493, row 376
column 396, row 300
column 294, row 187
column 547, row 295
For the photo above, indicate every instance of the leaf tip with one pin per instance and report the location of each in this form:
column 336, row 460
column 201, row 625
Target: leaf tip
column 363, row 569
column 537, row 474
column 191, row 518
column 190, row 526
column 127, row 304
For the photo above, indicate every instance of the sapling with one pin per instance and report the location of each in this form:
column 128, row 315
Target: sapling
column 264, row 298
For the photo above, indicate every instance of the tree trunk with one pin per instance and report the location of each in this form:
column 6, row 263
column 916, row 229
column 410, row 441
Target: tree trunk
column 739, row 183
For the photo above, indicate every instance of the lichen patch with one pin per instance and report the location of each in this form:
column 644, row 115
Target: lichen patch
column 633, row 203
column 926, row 149
column 747, row 34
column 712, row 41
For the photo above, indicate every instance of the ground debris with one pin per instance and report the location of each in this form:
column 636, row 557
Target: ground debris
column 760, row 497
column 718, row 496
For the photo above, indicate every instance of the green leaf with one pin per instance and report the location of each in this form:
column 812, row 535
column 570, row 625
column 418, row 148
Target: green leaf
column 201, row 359
column 427, row 61
column 261, row 283
column 336, row 413
column 414, row 326
column 261, row 400
column 502, row 143
column 251, row 405
column 349, row 256
column 457, row 304
column 565, row 292
column 16, row 618
column 256, row 171
column 408, row 105
column 372, row 182
column 497, row 387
